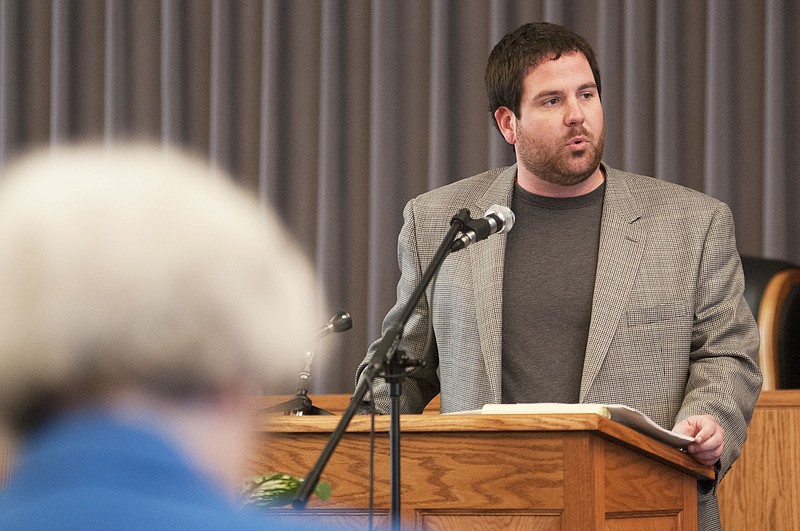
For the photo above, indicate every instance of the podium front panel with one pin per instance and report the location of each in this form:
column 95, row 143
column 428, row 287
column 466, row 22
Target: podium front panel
column 454, row 476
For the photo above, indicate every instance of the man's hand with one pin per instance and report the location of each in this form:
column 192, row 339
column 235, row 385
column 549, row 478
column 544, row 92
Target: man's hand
column 709, row 439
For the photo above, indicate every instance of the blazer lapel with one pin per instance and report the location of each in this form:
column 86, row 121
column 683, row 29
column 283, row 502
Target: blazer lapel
column 487, row 259
column 622, row 242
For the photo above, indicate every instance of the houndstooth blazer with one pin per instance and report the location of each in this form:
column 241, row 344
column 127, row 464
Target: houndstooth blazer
column 670, row 332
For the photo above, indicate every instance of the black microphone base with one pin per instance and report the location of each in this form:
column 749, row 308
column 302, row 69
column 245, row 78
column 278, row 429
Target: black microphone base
column 299, row 405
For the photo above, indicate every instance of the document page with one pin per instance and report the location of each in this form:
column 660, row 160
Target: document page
column 628, row 416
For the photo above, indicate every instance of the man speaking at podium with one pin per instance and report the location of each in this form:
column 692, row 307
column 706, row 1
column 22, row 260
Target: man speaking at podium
column 612, row 287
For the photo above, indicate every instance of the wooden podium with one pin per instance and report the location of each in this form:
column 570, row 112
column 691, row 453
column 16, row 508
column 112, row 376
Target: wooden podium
column 761, row 491
column 533, row 472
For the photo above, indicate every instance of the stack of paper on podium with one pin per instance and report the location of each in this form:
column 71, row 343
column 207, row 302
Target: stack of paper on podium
column 628, row 416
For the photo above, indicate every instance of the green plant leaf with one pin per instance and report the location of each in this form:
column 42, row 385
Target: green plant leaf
column 276, row 490
column 323, row 490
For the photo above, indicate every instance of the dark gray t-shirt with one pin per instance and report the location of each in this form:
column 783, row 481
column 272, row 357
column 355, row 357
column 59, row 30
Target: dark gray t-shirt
column 548, row 283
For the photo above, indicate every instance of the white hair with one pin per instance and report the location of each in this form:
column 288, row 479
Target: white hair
column 137, row 265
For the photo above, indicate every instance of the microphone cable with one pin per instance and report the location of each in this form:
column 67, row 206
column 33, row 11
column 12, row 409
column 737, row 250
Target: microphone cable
column 372, row 412
column 429, row 339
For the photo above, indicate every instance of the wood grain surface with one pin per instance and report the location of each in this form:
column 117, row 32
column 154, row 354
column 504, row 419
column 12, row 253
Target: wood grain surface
column 484, row 471
column 762, row 489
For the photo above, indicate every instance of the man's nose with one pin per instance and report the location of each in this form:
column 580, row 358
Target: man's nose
column 574, row 113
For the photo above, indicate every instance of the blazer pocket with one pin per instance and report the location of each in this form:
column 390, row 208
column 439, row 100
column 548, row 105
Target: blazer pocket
column 659, row 312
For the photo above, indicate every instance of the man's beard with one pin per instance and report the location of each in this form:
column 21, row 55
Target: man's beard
column 553, row 162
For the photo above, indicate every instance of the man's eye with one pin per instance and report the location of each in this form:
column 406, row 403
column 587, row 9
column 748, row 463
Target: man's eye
column 551, row 102
column 586, row 95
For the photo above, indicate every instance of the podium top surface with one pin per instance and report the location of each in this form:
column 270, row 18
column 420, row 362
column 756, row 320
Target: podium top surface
column 438, row 424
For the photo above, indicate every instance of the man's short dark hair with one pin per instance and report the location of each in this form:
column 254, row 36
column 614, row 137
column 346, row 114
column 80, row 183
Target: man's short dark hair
column 523, row 49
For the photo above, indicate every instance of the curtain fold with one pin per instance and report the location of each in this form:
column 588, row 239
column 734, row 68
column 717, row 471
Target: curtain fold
column 336, row 113
column 781, row 227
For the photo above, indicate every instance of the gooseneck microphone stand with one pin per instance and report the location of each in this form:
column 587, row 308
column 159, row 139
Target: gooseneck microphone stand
column 392, row 364
column 300, row 404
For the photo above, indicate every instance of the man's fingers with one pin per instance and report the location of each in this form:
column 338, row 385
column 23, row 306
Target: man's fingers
column 707, row 457
column 709, row 438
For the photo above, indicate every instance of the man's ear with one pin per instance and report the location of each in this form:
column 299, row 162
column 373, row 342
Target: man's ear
column 507, row 124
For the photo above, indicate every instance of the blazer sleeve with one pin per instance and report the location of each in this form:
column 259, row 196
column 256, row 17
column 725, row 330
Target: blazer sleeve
column 421, row 383
column 724, row 378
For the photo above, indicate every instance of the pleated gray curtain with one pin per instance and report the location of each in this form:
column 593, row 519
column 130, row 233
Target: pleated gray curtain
column 336, row 112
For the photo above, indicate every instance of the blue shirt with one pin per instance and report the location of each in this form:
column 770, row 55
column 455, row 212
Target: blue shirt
column 90, row 471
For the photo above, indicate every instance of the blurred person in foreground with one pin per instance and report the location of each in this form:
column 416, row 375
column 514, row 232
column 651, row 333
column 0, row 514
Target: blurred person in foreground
column 143, row 300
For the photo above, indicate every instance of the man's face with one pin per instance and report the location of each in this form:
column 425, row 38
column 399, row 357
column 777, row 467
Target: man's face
column 560, row 131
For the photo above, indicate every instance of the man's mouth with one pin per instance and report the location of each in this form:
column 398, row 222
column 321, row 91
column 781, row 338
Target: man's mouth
column 578, row 141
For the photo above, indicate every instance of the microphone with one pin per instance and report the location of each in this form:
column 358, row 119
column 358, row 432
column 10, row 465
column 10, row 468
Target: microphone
column 340, row 322
column 300, row 403
column 497, row 220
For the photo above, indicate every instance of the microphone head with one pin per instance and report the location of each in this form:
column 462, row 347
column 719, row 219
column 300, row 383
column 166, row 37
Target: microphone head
column 340, row 322
column 505, row 215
